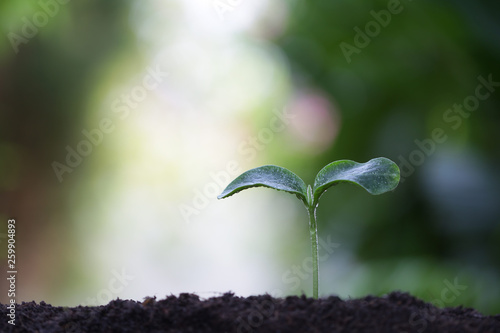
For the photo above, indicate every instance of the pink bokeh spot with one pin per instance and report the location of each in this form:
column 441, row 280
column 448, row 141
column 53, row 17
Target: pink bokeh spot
column 316, row 122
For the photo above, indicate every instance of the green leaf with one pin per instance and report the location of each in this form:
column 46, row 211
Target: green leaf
column 377, row 176
column 271, row 176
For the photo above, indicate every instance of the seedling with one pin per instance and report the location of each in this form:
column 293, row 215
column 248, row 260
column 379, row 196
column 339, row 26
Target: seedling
column 377, row 176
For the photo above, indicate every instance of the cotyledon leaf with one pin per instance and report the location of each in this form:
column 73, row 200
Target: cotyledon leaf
column 271, row 176
column 377, row 176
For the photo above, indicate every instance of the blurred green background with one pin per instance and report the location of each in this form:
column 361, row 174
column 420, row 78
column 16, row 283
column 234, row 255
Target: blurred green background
column 120, row 122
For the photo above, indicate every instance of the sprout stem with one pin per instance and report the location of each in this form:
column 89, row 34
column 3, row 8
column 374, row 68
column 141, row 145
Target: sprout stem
column 313, row 231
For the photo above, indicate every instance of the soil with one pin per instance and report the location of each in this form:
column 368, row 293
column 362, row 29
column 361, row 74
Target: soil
column 395, row 312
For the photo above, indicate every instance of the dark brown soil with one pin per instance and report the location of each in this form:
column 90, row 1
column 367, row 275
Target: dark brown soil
column 396, row 312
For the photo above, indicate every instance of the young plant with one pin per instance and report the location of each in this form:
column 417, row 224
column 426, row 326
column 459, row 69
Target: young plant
column 377, row 176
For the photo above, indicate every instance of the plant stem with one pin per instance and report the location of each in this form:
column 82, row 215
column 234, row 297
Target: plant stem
column 313, row 231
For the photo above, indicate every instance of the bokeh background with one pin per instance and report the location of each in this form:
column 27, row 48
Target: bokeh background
column 190, row 93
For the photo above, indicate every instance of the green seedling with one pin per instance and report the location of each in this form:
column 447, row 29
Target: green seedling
column 377, row 176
